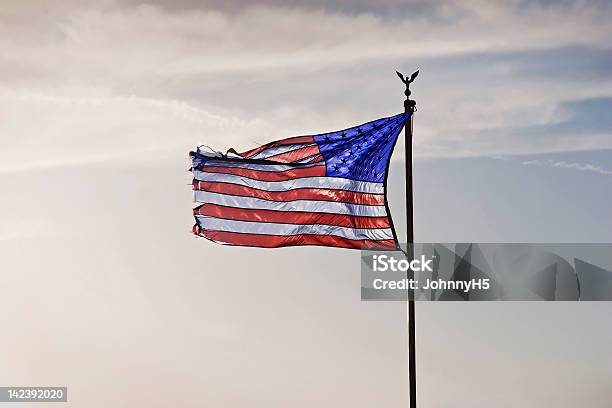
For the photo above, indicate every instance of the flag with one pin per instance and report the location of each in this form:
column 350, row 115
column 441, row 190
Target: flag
column 329, row 190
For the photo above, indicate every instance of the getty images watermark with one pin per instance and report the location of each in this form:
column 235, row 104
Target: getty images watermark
column 470, row 271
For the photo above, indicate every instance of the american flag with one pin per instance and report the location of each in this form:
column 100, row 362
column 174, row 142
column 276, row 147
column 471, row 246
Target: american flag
column 328, row 190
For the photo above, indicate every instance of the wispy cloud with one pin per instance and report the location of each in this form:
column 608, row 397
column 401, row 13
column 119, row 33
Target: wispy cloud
column 568, row 165
column 182, row 109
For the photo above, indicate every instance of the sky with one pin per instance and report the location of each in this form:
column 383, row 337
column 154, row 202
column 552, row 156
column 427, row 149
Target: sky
column 106, row 291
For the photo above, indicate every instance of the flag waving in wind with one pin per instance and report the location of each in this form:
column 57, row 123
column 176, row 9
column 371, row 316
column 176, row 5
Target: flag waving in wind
column 328, row 190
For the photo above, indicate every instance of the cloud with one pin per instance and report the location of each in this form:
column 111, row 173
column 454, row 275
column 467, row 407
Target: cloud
column 52, row 130
column 582, row 124
column 119, row 79
column 568, row 165
column 115, row 40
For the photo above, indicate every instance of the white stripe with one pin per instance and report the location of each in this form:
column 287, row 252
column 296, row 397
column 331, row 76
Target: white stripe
column 264, row 228
column 297, row 205
column 262, row 167
column 205, row 153
column 308, row 159
column 335, row 183
column 273, row 151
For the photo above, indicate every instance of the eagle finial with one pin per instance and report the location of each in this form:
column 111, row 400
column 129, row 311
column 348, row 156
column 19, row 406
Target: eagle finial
column 410, row 104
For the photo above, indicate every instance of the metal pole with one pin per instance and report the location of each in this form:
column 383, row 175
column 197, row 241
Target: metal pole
column 410, row 240
column 410, row 108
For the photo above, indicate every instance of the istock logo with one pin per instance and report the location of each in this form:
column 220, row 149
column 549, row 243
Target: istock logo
column 383, row 263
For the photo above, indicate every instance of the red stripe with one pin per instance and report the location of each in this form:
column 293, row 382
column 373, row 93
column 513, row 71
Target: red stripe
column 275, row 241
column 320, row 194
column 314, row 171
column 293, row 217
column 295, row 155
column 291, row 140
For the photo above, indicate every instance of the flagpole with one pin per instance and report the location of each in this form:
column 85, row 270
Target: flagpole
column 410, row 108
